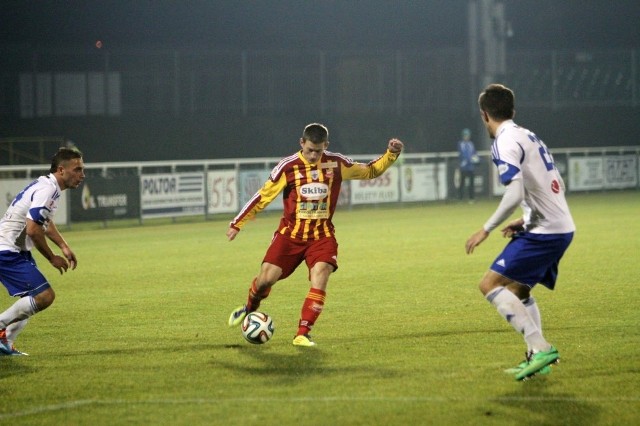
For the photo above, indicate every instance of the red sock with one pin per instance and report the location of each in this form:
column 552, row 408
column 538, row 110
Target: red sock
column 255, row 296
column 311, row 310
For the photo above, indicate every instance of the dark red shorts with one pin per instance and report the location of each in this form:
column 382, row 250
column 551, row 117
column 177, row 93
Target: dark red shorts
column 288, row 253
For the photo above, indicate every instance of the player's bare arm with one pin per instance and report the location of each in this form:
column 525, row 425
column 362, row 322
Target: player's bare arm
column 54, row 235
column 475, row 240
column 37, row 234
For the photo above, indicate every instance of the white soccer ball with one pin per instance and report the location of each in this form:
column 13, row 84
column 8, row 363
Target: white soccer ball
column 257, row 328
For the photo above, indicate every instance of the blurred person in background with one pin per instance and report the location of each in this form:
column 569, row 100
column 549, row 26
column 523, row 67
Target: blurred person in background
column 467, row 161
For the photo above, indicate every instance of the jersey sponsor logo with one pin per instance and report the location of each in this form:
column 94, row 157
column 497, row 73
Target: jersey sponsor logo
column 555, row 186
column 312, row 210
column 313, row 214
column 329, row 165
column 314, row 191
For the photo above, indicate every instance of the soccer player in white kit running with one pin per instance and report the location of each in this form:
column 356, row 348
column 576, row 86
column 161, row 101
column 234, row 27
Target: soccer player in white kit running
column 538, row 239
column 28, row 223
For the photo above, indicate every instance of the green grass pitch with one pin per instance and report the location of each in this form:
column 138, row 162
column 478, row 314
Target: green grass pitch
column 138, row 332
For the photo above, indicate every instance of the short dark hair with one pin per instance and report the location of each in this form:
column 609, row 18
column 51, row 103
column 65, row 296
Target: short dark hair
column 64, row 154
column 315, row 133
column 498, row 101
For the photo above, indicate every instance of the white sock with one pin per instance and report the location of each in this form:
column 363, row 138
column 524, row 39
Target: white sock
column 14, row 329
column 513, row 310
column 534, row 312
column 22, row 309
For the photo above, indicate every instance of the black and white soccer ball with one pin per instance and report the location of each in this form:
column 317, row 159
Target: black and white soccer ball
column 257, row 328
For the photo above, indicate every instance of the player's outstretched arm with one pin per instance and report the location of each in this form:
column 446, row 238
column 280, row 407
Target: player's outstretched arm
column 54, row 235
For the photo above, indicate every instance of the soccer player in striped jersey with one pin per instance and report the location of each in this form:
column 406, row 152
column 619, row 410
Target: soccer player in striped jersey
column 28, row 223
column 310, row 182
column 538, row 239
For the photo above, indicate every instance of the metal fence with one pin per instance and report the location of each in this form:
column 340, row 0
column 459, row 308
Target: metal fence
column 122, row 83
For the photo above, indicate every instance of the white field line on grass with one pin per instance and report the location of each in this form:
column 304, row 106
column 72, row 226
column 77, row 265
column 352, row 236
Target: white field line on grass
column 70, row 405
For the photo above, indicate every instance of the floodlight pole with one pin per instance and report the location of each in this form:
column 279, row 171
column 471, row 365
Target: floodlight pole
column 488, row 31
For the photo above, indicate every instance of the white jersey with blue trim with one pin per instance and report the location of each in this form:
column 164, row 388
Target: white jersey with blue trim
column 520, row 154
column 38, row 202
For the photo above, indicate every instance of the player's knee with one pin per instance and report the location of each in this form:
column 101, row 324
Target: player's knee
column 522, row 291
column 45, row 299
column 322, row 268
column 485, row 287
column 493, row 280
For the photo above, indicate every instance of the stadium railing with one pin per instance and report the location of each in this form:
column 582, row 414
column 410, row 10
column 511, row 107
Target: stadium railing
column 219, row 188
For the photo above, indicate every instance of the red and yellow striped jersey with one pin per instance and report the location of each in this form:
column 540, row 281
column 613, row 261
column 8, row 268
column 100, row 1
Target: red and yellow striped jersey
column 310, row 192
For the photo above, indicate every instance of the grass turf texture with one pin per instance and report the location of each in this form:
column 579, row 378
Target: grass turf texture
column 138, row 332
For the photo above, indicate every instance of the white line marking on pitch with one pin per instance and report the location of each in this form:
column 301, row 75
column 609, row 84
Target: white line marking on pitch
column 202, row 401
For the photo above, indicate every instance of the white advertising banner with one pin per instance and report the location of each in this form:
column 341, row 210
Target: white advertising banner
column 620, row 171
column 250, row 182
column 424, row 182
column 586, row 173
column 172, row 194
column 11, row 187
column 222, row 187
column 383, row 189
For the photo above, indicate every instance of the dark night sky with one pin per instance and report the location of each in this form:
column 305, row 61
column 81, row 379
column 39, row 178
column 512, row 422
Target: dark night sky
column 321, row 24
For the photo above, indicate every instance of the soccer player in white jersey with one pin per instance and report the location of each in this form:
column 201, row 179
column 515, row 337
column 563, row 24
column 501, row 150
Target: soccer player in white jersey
column 28, row 223
column 538, row 239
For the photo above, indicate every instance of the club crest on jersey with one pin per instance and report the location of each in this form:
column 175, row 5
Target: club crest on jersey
column 314, row 174
column 314, row 191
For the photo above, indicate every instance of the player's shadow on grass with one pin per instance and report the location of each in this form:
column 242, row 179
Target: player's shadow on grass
column 547, row 407
column 13, row 366
column 299, row 363
column 418, row 335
